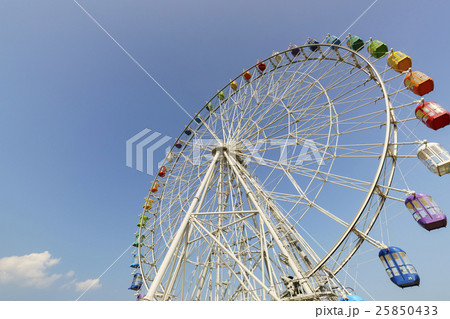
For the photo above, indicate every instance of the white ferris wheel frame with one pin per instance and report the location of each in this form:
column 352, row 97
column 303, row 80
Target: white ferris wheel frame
column 390, row 151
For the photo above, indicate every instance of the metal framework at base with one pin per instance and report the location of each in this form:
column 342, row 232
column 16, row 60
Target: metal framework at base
column 279, row 238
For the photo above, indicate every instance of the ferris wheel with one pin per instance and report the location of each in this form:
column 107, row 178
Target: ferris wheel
column 278, row 180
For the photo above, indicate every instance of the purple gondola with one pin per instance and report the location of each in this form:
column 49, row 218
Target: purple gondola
column 179, row 144
column 140, row 297
column 295, row 50
column 425, row 211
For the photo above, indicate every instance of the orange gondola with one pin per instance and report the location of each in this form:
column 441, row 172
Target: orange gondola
column 155, row 187
column 419, row 83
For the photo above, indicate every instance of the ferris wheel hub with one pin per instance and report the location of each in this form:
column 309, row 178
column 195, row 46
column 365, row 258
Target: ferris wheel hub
column 221, row 149
column 232, row 150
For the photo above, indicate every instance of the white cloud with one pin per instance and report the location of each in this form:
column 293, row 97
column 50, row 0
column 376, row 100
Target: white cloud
column 32, row 271
column 88, row 284
column 29, row 270
column 69, row 285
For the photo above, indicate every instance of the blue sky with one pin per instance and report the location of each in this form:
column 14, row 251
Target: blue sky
column 70, row 98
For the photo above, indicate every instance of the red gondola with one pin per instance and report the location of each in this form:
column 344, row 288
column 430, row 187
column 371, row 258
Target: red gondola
column 433, row 115
column 261, row 66
column 162, row 171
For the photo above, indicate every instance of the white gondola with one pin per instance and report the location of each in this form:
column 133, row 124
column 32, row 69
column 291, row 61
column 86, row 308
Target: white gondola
column 277, row 56
column 435, row 157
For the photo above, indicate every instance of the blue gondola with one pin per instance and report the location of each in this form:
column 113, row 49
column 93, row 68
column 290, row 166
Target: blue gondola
column 198, row 119
column 351, row 298
column 313, row 47
column 425, row 211
column 188, row 131
column 398, row 267
column 333, row 40
column 137, row 282
column 135, row 263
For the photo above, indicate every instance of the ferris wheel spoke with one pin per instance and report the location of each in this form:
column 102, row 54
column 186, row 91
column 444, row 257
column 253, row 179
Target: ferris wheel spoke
column 322, row 176
column 307, row 109
column 280, row 126
column 344, row 181
column 342, row 87
column 327, row 69
column 254, row 92
column 344, row 97
column 211, row 131
column 312, row 203
column 300, row 82
column 368, row 119
column 351, row 131
column 346, row 121
column 335, row 219
column 342, row 78
column 278, row 119
column 284, row 114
